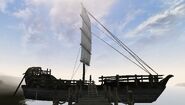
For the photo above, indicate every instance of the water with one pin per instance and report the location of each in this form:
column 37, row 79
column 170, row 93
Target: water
column 171, row 96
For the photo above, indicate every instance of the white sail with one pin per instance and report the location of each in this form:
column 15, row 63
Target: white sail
column 85, row 38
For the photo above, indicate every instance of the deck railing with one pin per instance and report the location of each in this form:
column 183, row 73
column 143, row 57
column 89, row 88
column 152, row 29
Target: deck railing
column 131, row 78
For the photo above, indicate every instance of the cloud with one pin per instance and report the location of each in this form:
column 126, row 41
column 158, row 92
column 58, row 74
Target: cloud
column 4, row 4
column 130, row 16
column 56, row 20
column 162, row 22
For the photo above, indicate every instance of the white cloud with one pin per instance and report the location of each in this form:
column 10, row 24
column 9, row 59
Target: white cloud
column 61, row 18
column 24, row 14
column 3, row 4
column 130, row 16
column 161, row 23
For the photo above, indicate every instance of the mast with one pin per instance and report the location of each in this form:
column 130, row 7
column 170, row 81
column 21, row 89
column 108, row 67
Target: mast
column 85, row 40
column 83, row 75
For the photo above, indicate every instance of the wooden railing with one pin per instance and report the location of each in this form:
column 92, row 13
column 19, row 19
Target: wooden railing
column 131, row 78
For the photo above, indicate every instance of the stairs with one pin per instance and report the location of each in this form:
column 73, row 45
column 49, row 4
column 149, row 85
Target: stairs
column 99, row 100
column 92, row 98
column 92, row 90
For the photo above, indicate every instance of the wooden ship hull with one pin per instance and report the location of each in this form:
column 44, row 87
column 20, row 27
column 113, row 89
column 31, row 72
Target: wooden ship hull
column 140, row 95
column 140, row 88
column 41, row 85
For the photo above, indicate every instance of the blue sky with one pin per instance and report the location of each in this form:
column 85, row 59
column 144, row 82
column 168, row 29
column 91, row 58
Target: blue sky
column 46, row 33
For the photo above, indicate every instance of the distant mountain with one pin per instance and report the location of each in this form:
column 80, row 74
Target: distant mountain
column 8, row 85
column 181, row 84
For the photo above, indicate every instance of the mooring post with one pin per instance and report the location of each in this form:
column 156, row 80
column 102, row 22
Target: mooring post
column 109, row 93
column 105, row 91
column 76, row 93
column 115, row 96
column 55, row 101
column 130, row 98
column 69, row 96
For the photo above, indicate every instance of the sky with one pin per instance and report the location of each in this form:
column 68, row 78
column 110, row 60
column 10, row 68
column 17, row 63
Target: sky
column 47, row 33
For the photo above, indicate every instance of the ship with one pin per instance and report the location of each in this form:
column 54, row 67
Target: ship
column 129, row 89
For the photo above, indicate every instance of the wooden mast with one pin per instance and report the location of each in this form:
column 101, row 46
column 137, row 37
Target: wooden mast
column 83, row 75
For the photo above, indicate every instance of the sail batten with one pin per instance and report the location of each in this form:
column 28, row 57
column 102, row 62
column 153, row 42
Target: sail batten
column 85, row 37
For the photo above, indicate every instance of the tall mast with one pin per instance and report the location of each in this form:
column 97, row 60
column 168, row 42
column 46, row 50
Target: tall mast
column 85, row 40
column 83, row 75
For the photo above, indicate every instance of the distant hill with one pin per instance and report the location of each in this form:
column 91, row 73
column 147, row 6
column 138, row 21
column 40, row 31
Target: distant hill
column 8, row 85
column 181, row 84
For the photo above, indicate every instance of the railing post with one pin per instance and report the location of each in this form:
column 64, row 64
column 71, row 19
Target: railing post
column 102, row 79
column 117, row 80
column 90, row 79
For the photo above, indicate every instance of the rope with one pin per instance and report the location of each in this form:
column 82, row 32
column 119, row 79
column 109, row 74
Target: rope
column 119, row 52
column 120, row 43
column 75, row 63
column 76, row 71
column 116, row 41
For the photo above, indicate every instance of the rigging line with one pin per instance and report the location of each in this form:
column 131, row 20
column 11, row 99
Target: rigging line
column 120, row 52
column 76, row 70
column 138, row 57
column 117, row 41
column 120, row 42
column 75, row 62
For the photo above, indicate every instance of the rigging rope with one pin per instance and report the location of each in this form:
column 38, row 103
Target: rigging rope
column 120, row 43
column 75, row 63
column 120, row 52
column 116, row 41
column 76, row 71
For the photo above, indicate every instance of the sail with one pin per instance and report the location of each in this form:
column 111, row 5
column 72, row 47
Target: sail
column 85, row 38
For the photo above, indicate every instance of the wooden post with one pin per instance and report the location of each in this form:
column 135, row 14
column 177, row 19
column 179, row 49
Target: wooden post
column 117, row 80
column 115, row 96
column 109, row 94
column 69, row 96
column 76, row 93
column 136, row 80
column 130, row 98
column 102, row 79
column 83, row 77
column 90, row 79
column 105, row 91
column 55, row 101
